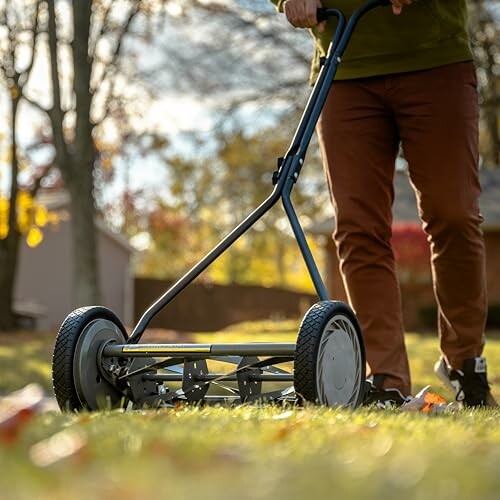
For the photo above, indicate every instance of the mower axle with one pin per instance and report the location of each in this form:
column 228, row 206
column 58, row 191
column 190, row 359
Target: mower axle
column 198, row 350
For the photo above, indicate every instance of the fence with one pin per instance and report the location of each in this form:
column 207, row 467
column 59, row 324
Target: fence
column 202, row 307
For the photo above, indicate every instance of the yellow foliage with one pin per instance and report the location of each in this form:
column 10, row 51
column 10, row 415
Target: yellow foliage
column 4, row 218
column 23, row 221
column 34, row 237
column 31, row 217
column 24, row 200
column 4, row 229
column 41, row 216
column 53, row 218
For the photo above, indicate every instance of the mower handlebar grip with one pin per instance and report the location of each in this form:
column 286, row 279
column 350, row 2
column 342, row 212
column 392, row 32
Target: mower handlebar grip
column 323, row 13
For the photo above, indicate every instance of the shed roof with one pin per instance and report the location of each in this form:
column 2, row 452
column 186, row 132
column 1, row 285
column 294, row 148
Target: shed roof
column 405, row 204
column 59, row 200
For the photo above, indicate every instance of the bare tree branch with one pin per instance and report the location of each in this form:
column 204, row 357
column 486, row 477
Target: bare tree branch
column 35, row 25
column 56, row 113
column 37, row 105
column 102, row 30
column 107, row 103
column 37, row 182
column 109, row 67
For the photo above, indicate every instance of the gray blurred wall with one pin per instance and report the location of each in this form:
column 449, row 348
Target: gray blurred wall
column 44, row 278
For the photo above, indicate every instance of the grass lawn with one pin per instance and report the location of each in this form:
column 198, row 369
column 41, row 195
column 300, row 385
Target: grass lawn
column 250, row 452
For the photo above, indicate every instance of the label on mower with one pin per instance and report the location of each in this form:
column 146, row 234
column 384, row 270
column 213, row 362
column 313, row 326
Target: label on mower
column 166, row 348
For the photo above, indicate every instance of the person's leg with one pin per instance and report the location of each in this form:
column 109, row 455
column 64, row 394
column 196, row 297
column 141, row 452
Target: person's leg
column 359, row 143
column 437, row 115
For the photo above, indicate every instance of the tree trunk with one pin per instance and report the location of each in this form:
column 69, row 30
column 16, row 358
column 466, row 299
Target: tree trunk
column 76, row 160
column 9, row 247
column 8, row 265
column 81, row 184
column 84, row 241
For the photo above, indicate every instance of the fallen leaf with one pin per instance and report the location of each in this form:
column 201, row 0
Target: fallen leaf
column 428, row 402
column 17, row 409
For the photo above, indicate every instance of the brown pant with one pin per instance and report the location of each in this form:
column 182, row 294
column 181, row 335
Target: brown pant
column 434, row 114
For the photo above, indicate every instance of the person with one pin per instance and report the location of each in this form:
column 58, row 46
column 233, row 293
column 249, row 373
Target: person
column 407, row 77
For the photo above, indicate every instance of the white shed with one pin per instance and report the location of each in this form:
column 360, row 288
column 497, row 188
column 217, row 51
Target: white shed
column 44, row 278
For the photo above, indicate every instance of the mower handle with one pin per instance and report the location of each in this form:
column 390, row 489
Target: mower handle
column 323, row 13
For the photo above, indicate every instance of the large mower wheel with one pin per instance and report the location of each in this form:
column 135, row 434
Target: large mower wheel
column 77, row 379
column 330, row 362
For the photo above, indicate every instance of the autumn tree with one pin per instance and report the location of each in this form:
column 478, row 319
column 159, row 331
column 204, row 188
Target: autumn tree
column 264, row 68
column 84, row 108
column 246, row 59
column 19, row 214
column 208, row 196
column 89, row 83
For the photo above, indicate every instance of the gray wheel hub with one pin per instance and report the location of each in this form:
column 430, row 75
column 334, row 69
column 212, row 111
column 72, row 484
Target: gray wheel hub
column 338, row 366
column 93, row 390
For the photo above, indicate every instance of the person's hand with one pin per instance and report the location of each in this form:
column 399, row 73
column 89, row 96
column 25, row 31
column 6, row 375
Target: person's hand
column 397, row 5
column 302, row 14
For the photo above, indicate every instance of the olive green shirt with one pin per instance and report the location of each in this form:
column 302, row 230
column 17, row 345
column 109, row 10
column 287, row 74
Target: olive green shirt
column 427, row 34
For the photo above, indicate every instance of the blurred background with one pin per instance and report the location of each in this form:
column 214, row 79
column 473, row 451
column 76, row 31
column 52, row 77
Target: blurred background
column 135, row 134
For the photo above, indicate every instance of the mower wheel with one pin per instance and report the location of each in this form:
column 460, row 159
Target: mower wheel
column 77, row 378
column 330, row 357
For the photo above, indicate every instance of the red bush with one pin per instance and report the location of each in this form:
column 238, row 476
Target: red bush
column 411, row 248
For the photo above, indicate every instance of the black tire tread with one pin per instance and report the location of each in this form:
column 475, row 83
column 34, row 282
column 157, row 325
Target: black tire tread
column 64, row 350
column 308, row 341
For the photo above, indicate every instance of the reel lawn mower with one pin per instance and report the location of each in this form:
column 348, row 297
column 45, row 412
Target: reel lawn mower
column 96, row 365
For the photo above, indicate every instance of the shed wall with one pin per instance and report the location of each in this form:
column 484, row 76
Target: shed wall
column 45, row 276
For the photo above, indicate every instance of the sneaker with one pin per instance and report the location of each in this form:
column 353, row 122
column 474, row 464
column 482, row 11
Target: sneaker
column 383, row 398
column 470, row 385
